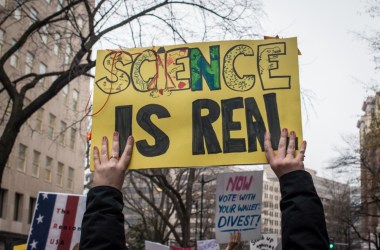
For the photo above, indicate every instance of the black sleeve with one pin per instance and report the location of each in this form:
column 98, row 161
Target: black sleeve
column 103, row 221
column 303, row 219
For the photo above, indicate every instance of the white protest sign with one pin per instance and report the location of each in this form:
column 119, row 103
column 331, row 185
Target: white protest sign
column 149, row 245
column 267, row 242
column 207, row 245
column 57, row 221
column 238, row 205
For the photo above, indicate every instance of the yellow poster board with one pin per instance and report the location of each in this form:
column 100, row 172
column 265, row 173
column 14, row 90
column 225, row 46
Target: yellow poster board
column 199, row 104
column 19, row 247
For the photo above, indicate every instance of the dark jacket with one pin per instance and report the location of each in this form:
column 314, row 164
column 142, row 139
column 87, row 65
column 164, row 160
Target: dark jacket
column 103, row 221
column 303, row 220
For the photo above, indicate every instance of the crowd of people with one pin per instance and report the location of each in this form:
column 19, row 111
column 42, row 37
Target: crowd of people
column 303, row 221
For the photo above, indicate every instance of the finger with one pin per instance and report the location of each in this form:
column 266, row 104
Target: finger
column 268, row 147
column 126, row 156
column 96, row 157
column 115, row 145
column 282, row 143
column 292, row 144
column 301, row 154
column 104, row 150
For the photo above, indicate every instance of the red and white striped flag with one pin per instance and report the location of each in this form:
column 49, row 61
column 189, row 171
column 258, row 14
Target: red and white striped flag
column 57, row 222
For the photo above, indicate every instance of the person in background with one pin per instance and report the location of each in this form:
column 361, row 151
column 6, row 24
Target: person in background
column 303, row 222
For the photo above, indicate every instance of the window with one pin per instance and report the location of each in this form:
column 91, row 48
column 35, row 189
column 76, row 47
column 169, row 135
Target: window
column 1, row 41
column 75, row 99
column 62, row 133
column 65, row 93
column 60, row 4
column 29, row 59
column 56, row 46
column 42, row 71
column 32, row 205
column 36, row 163
column 26, row 102
column 17, row 13
column 48, row 166
column 79, row 22
column 70, row 178
column 60, row 174
column 22, row 149
column 15, row 56
column 73, row 132
column 67, row 54
column 39, row 119
column 3, row 202
column 17, row 209
column 33, row 14
column 53, row 78
column 44, row 33
column 51, row 125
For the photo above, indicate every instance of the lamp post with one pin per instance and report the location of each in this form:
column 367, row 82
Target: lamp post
column 203, row 182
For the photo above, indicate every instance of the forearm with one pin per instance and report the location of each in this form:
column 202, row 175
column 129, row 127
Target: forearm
column 103, row 221
column 303, row 219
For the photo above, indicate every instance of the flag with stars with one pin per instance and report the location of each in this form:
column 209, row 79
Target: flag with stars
column 56, row 221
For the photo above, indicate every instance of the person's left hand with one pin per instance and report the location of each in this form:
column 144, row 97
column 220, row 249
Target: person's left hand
column 234, row 240
column 110, row 171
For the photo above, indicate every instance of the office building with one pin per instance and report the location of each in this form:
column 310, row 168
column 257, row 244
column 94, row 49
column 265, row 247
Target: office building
column 49, row 152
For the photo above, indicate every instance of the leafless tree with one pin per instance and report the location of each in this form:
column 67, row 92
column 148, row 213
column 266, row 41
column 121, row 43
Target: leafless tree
column 373, row 36
column 363, row 155
column 168, row 194
column 142, row 23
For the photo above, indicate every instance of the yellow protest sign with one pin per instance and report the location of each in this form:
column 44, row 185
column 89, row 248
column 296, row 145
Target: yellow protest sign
column 199, row 104
column 19, row 247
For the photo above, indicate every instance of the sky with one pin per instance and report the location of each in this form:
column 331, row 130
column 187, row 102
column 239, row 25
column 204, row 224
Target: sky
column 336, row 67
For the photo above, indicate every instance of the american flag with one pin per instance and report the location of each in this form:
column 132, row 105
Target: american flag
column 56, row 222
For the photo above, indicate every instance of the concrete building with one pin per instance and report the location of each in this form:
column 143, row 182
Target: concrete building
column 50, row 148
column 369, row 127
column 270, row 211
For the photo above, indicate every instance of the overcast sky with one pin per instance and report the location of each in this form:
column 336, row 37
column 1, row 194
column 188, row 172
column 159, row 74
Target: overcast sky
column 334, row 66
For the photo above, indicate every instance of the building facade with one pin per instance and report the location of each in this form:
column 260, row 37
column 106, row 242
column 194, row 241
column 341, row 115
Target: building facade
column 49, row 152
column 369, row 129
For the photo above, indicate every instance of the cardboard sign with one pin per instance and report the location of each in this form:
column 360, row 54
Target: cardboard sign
column 238, row 205
column 19, row 247
column 266, row 242
column 149, row 245
column 207, row 245
column 200, row 104
column 57, row 222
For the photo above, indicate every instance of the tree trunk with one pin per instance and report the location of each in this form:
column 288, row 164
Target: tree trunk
column 7, row 140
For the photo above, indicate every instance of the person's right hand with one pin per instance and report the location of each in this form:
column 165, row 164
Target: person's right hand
column 285, row 160
column 110, row 171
